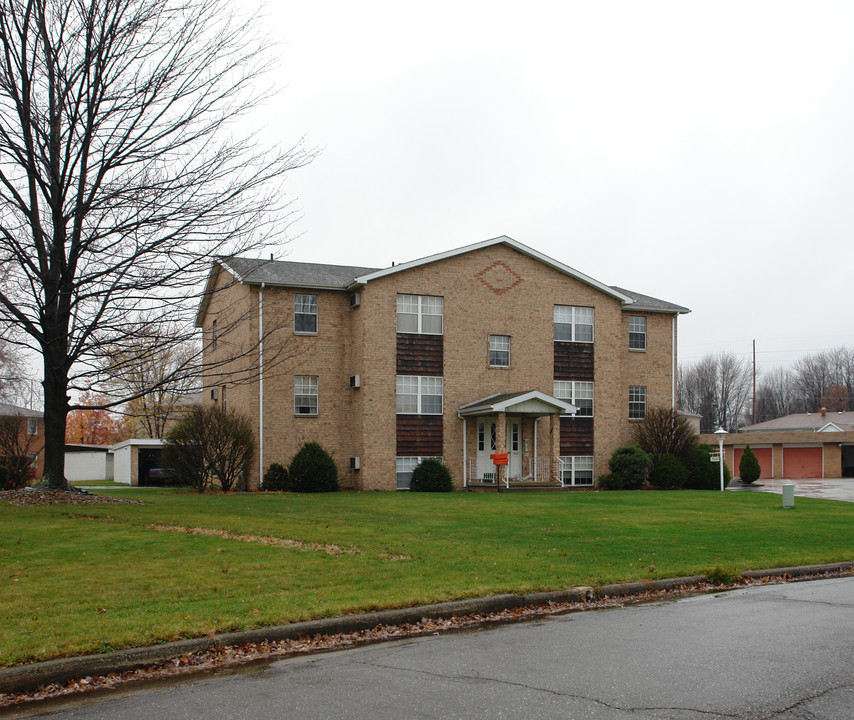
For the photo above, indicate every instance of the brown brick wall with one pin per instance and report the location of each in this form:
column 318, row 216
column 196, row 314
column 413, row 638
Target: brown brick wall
column 495, row 290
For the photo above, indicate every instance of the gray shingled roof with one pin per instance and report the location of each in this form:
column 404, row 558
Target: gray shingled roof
column 650, row 304
column 295, row 274
column 339, row 277
column 12, row 410
column 805, row 421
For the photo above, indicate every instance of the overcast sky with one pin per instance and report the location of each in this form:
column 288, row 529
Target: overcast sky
column 702, row 153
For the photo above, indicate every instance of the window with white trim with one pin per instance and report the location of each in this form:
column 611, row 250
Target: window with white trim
column 305, row 314
column 573, row 324
column 637, row 402
column 637, row 333
column 419, row 395
column 405, row 466
column 422, row 314
column 499, row 350
column 32, row 426
column 578, row 392
column 576, row 470
column 305, row 395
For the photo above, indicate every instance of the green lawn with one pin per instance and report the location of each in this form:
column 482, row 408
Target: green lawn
column 94, row 578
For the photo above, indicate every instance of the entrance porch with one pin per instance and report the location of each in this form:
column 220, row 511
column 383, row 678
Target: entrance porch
column 526, row 426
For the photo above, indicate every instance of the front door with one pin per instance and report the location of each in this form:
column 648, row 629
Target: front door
column 514, row 447
column 485, row 447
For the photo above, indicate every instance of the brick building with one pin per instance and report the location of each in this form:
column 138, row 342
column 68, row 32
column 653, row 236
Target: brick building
column 22, row 438
column 493, row 347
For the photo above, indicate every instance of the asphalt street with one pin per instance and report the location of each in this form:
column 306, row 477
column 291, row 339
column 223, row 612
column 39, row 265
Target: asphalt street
column 783, row 651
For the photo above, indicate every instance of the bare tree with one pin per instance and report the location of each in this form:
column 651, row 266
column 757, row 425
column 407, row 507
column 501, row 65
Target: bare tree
column 664, row 431
column 158, row 373
column 814, row 375
column 122, row 174
column 717, row 388
column 776, row 395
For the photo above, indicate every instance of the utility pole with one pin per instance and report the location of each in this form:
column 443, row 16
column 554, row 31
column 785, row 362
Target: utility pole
column 753, row 419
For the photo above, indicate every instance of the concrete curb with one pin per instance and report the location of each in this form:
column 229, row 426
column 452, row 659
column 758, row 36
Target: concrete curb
column 23, row 678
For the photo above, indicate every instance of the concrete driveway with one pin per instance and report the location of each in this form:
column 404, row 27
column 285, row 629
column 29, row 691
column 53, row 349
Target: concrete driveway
column 826, row 488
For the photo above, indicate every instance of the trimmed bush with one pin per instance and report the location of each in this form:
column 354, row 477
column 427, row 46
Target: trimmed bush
column 4, row 478
column 748, row 467
column 610, row 482
column 312, row 469
column 431, row 475
column 276, row 478
column 631, row 464
column 703, row 474
column 668, row 473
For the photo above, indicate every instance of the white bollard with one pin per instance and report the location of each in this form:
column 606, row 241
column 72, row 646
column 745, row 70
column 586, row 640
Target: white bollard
column 788, row 494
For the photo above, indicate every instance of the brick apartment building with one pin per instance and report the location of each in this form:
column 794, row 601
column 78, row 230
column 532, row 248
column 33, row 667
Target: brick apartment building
column 493, row 347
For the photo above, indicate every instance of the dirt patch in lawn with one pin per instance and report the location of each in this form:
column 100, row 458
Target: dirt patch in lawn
column 270, row 540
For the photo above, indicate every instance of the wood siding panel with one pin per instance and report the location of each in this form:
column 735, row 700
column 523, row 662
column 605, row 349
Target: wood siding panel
column 419, row 354
column 419, row 435
column 573, row 361
column 576, row 436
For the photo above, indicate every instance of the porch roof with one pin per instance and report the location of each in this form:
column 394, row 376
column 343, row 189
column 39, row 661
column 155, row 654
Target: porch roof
column 528, row 402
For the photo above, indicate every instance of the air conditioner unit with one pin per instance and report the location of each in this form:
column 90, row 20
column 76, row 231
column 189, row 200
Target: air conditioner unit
column 355, row 463
column 355, row 299
column 355, row 381
column 215, row 394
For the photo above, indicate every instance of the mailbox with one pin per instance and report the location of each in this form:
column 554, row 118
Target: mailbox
column 500, row 458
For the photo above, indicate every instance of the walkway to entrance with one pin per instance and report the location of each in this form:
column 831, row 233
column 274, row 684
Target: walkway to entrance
column 828, row 489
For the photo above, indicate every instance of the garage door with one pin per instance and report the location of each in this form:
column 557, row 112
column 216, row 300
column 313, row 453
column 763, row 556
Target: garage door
column 765, row 457
column 802, row 462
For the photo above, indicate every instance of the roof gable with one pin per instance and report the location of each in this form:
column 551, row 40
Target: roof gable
column 501, row 240
column 529, row 402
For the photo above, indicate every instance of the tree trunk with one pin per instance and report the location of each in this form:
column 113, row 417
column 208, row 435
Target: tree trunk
column 55, row 412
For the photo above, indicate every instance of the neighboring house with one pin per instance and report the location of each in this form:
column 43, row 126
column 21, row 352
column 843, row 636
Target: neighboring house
column 88, row 462
column 489, row 348
column 22, row 433
column 791, row 446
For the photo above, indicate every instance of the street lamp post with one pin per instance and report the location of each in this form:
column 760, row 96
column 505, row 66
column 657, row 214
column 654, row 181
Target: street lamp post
column 721, row 433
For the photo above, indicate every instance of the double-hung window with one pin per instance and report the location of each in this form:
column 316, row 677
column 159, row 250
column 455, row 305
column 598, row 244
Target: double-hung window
column 499, row 350
column 305, row 395
column 637, row 333
column 578, row 392
column 421, row 314
column 637, row 402
column 32, row 426
column 418, row 395
column 576, row 470
column 305, row 313
column 573, row 324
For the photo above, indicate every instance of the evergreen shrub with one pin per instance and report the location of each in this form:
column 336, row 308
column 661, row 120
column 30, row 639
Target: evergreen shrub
column 668, row 473
column 312, row 469
column 276, row 478
column 431, row 475
column 748, row 468
column 631, row 464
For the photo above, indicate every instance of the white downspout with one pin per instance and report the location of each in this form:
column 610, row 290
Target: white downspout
column 673, row 364
column 261, row 386
column 465, row 459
